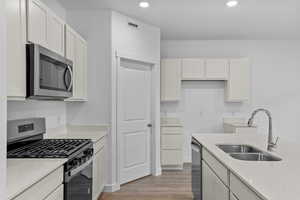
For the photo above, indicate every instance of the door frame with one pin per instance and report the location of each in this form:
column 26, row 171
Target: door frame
column 155, row 117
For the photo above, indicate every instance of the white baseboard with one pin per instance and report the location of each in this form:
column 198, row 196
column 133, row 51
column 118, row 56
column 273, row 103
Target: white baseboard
column 173, row 167
column 111, row 188
column 157, row 172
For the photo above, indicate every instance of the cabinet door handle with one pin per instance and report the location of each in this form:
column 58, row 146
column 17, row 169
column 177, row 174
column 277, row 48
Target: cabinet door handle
column 149, row 125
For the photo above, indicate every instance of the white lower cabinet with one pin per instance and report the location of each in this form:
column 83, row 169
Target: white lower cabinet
column 172, row 147
column 212, row 187
column 218, row 183
column 49, row 188
column 233, row 197
column 58, row 194
column 98, row 168
column 240, row 190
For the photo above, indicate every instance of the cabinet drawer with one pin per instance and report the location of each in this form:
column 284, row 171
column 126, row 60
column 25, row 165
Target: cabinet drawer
column 172, row 130
column 172, row 142
column 58, row 194
column 216, row 166
column 240, row 190
column 44, row 187
column 171, row 157
column 99, row 145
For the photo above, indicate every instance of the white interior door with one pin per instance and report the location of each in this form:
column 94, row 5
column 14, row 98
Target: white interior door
column 134, row 115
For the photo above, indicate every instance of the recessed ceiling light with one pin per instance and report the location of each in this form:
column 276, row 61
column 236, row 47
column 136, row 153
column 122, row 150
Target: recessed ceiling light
column 144, row 4
column 232, row 3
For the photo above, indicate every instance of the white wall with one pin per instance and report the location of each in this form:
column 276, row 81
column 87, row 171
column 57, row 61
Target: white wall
column 94, row 26
column 56, row 7
column 2, row 102
column 54, row 112
column 275, row 86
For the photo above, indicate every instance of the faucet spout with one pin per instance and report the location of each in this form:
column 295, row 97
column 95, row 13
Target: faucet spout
column 271, row 144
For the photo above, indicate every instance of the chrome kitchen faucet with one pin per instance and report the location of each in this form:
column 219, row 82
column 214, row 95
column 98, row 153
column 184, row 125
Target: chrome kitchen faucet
column 271, row 144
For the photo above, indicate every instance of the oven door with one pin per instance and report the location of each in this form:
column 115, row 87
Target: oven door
column 78, row 183
column 49, row 74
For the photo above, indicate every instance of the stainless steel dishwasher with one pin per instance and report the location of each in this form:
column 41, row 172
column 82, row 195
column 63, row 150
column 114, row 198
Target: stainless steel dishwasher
column 196, row 170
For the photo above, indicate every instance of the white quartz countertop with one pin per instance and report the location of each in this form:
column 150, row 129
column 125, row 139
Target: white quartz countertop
column 23, row 173
column 270, row 180
column 95, row 133
column 94, row 137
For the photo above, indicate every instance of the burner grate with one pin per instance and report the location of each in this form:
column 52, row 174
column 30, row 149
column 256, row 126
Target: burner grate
column 48, row 148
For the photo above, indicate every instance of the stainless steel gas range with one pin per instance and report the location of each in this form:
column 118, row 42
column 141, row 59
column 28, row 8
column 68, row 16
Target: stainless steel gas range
column 25, row 140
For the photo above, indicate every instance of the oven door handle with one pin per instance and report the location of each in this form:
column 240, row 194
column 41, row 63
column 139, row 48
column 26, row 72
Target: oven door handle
column 80, row 168
column 70, row 85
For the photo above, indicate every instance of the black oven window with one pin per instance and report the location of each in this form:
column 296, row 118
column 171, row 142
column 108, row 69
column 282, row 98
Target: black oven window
column 54, row 75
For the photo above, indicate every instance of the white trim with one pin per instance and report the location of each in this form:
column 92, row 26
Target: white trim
column 155, row 111
column 137, row 58
column 158, row 172
column 3, row 101
column 173, row 168
column 111, row 188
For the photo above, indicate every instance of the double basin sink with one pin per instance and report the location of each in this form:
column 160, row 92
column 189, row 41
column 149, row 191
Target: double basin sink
column 247, row 153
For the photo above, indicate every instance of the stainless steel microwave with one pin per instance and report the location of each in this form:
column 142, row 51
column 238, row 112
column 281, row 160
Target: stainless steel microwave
column 49, row 75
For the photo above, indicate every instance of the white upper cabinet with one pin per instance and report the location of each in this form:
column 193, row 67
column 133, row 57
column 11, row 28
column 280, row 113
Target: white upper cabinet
column 204, row 69
column 235, row 72
column 193, row 69
column 16, row 52
column 55, row 34
column 238, row 84
column 80, row 70
column 76, row 51
column 170, row 79
column 217, row 69
column 44, row 27
column 70, row 43
column 37, row 22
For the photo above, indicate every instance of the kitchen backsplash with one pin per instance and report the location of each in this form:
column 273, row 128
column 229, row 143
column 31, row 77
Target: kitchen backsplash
column 53, row 111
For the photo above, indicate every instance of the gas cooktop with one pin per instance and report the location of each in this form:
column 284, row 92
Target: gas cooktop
column 47, row 148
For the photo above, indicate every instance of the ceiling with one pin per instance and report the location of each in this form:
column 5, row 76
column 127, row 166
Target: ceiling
column 209, row 19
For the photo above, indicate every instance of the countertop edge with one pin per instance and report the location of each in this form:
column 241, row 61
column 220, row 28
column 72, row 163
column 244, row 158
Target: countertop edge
column 35, row 181
column 259, row 194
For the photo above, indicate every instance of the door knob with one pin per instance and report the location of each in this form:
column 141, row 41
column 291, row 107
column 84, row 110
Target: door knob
column 149, row 125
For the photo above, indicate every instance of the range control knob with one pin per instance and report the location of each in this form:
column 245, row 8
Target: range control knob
column 75, row 162
column 89, row 152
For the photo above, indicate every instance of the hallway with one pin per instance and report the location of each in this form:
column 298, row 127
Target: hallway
column 171, row 185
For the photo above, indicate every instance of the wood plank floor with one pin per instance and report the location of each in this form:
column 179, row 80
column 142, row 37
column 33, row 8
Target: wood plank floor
column 171, row 185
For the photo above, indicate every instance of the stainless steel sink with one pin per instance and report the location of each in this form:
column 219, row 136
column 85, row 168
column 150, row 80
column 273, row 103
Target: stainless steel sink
column 247, row 153
column 255, row 157
column 238, row 148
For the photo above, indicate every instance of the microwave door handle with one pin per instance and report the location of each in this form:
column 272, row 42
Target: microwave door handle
column 69, row 86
